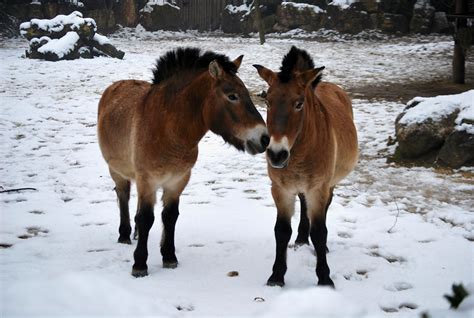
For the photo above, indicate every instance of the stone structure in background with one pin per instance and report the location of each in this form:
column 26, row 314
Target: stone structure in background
column 66, row 38
column 237, row 16
column 437, row 130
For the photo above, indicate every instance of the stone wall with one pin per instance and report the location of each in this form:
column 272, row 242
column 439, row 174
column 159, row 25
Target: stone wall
column 390, row 16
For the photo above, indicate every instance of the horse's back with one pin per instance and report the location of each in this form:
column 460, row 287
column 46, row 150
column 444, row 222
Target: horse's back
column 117, row 111
column 339, row 108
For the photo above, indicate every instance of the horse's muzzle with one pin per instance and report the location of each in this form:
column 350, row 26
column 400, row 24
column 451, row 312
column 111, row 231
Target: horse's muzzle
column 254, row 147
column 278, row 159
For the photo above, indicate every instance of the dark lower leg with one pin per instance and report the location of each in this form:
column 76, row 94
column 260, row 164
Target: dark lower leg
column 144, row 220
column 123, row 195
column 169, row 216
column 319, row 234
column 303, row 228
column 282, row 237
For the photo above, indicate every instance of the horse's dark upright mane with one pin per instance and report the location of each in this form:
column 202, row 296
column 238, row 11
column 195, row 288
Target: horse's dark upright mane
column 296, row 60
column 188, row 59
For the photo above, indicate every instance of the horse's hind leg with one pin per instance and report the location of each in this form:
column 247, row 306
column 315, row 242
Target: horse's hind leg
column 122, row 188
column 169, row 216
column 144, row 220
column 303, row 228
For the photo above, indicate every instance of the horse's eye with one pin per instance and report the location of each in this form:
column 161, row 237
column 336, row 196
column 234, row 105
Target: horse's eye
column 299, row 105
column 233, row 97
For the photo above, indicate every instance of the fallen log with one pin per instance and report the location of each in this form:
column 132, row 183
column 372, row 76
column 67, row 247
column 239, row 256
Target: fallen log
column 102, row 44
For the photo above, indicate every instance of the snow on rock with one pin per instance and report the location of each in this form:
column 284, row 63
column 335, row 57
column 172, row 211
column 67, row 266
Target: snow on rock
column 302, row 6
column 343, row 4
column 436, row 108
column 61, row 47
column 151, row 3
column 242, row 9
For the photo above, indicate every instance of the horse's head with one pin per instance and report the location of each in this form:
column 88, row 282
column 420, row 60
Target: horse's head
column 230, row 111
column 289, row 92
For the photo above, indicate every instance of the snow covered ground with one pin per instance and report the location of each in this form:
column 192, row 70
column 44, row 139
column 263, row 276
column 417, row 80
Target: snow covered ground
column 398, row 237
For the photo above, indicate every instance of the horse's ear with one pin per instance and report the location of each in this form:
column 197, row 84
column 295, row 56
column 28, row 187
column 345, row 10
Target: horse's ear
column 215, row 69
column 266, row 74
column 238, row 61
column 312, row 77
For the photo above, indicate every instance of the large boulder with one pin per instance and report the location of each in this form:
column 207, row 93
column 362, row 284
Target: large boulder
column 458, row 149
column 160, row 15
column 300, row 15
column 441, row 125
column 348, row 19
column 422, row 19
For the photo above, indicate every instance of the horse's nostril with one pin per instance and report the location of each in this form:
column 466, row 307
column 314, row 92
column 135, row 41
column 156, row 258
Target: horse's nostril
column 283, row 155
column 265, row 140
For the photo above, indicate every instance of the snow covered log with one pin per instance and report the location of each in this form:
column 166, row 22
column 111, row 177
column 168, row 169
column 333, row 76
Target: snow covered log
column 102, row 44
column 66, row 38
column 438, row 129
column 59, row 26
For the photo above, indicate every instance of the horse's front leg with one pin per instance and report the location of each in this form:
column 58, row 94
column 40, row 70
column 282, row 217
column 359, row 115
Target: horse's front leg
column 285, row 204
column 144, row 220
column 318, row 202
column 169, row 216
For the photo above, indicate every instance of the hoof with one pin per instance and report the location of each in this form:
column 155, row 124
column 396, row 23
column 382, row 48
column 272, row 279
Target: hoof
column 301, row 242
column 139, row 272
column 124, row 240
column 326, row 282
column 171, row 265
column 272, row 281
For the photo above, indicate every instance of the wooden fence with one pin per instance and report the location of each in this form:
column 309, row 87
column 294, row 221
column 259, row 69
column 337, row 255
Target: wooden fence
column 203, row 15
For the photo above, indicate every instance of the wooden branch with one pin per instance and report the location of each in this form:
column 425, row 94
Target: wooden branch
column 18, row 190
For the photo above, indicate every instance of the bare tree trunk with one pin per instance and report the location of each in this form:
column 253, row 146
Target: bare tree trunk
column 459, row 51
column 259, row 22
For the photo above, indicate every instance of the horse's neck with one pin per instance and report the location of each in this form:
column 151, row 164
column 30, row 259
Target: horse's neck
column 189, row 107
column 315, row 122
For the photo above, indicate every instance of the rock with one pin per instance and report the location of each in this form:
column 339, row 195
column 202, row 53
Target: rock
column 418, row 139
column 457, row 150
column 392, row 23
column 422, row 19
column 297, row 15
column 440, row 23
column 237, row 21
column 160, row 17
column 351, row 20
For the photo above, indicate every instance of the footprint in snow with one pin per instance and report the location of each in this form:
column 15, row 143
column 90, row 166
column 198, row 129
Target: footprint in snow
column 398, row 286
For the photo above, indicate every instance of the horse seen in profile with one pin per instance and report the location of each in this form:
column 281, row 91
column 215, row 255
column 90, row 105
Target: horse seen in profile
column 149, row 133
column 313, row 145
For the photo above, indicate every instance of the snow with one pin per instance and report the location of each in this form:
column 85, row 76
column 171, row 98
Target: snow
column 60, row 47
column 302, row 6
column 438, row 107
column 64, row 259
column 101, row 39
column 151, row 3
column 245, row 8
column 343, row 4
column 56, row 24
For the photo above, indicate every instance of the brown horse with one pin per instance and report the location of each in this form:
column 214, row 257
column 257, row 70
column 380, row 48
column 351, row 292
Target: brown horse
column 313, row 145
column 149, row 133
